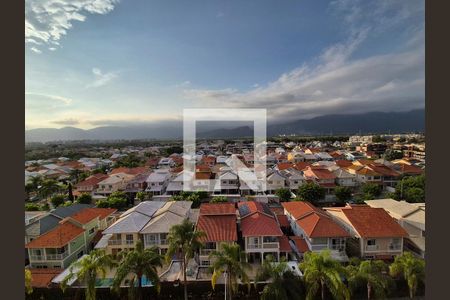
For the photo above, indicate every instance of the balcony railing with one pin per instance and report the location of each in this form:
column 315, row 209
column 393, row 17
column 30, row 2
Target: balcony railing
column 114, row 242
column 394, row 247
column 263, row 246
column 129, row 242
column 57, row 256
column 37, row 257
column 371, row 247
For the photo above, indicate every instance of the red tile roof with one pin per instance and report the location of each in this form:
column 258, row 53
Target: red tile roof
column 92, row 180
column 284, row 244
column 383, row 170
column 130, row 171
column 259, row 224
column 218, row 228
column 372, row 222
column 343, row 163
column 314, row 221
column 202, row 175
column 409, row 169
column 88, row 214
column 301, row 165
column 283, row 221
column 319, row 172
column 58, row 237
column 41, row 278
column 217, row 209
column 284, row 166
column 300, row 243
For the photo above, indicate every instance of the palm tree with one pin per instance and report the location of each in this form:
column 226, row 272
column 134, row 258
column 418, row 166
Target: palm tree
column 280, row 277
column 229, row 260
column 139, row 262
column 48, row 187
column 372, row 273
column 411, row 268
column 28, row 279
column 87, row 269
column 184, row 240
column 320, row 272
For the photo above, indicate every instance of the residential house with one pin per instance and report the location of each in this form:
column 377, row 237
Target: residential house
column 378, row 235
column 275, row 180
column 227, row 183
column 89, row 185
column 411, row 217
column 344, row 178
column 166, row 163
column 260, row 231
column 115, row 182
column 158, row 181
column 321, row 176
column 294, row 178
column 317, row 228
column 218, row 222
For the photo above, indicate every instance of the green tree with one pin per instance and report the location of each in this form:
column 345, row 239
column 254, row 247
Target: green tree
column 230, row 260
column 69, row 192
column 31, row 207
column 283, row 194
column 85, row 198
column 411, row 189
column 372, row 274
column 48, row 188
column 343, row 193
column 415, row 195
column 411, row 268
column 196, row 201
column 393, row 155
column 321, row 272
column 88, row 269
column 139, row 262
column 280, row 276
column 310, row 192
column 28, row 279
column 57, row 200
column 370, row 190
column 141, row 195
column 219, row 199
column 183, row 241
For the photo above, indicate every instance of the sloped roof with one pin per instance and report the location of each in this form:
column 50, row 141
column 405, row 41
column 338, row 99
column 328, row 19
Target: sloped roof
column 300, row 243
column 42, row 278
column 172, row 213
column 67, row 211
column 259, row 224
column 284, row 244
column 218, row 228
column 217, row 209
column 132, row 222
column 92, row 180
column 56, row 238
column 88, row 214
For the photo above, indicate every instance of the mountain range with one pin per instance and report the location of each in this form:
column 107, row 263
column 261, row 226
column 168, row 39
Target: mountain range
column 371, row 122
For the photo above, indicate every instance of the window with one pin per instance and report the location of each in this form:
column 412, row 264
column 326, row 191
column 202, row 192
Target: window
column 371, row 242
column 91, row 231
column 129, row 239
column 270, row 239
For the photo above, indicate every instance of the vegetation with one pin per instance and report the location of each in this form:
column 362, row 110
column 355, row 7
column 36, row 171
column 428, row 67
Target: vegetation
column 84, row 198
column 195, row 197
column 129, row 161
column 183, row 241
column 48, row 187
column 279, row 277
column 139, row 262
column 87, row 270
column 393, row 155
column 219, row 199
column 117, row 200
column 57, row 200
column 28, row 279
column 411, row 189
column 370, row 191
column 373, row 275
column 343, row 193
column 142, row 196
column 321, row 272
column 411, row 268
column 310, row 192
column 32, row 207
column 283, row 194
column 230, row 260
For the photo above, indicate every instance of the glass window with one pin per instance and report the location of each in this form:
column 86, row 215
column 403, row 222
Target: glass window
column 371, row 242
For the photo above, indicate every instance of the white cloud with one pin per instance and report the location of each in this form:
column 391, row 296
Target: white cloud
column 35, row 50
column 63, row 100
column 46, row 21
column 101, row 78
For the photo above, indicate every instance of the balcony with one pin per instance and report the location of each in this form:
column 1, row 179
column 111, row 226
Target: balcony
column 263, row 246
column 372, row 247
column 59, row 256
column 395, row 247
column 114, row 242
column 206, row 252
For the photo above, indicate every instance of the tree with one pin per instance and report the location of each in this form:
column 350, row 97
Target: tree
column 87, row 270
column 411, row 268
column 310, row 192
column 321, row 272
column 28, row 279
column 393, row 155
column 31, row 207
column 69, row 192
column 195, row 198
column 48, row 187
column 411, row 189
column 85, row 198
column 219, row 199
column 141, row 196
column 57, row 200
column 139, row 262
column 279, row 276
column 283, row 194
column 415, row 195
column 370, row 273
column 343, row 193
column 184, row 241
column 229, row 260
column 370, row 190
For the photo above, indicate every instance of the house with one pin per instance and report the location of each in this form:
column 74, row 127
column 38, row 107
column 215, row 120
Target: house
column 317, row 228
column 378, row 235
column 321, row 176
column 218, row 222
column 389, row 176
column 364, row 174
column 248, row 183
column 175, row 185
column 166, row 163
column 137, row 184
column 155, row 232
column 69, row 240
column 227, row 183
column 115, row 182
column 275, row 180
column 296, row 156
column 411, row 217
column 294, row 178
column 158, row 181
column 344, row 178
column 260, row 231
column 90, row 184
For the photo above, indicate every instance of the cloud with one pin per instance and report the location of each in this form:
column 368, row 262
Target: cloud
column 335, row 81
column 53, row 98
column 46, row 21
column 66, row 122
column 101, row 78
column 35, row 50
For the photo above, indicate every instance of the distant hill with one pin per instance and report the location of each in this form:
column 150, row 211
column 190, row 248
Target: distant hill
column 372, row 122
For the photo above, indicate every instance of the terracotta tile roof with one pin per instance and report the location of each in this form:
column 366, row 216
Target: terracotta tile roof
column 314, row 221
column 283, row 221
column 367, row 171
column 284, row 166
column 249, row 207
column 259, row 224
column 217, row 209
column 300, row 243
column 202, row 168
column 41, row 278
column 319, row 172
column 372, row 222
column 130, row 171
column 301, row 165
column 58, row 237
column 88, row 214
column 343, row 163
column 202, row 175
column 383, row 170
column 409, row 169
column 284, row 244
column 364, row 161
column 177, row 170
column 92, row 180
column 218, row 228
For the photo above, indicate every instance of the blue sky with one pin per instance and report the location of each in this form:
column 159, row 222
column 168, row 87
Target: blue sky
column 105, row 62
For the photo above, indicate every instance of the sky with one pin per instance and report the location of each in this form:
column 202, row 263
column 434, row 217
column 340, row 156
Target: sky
column 91, row 63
